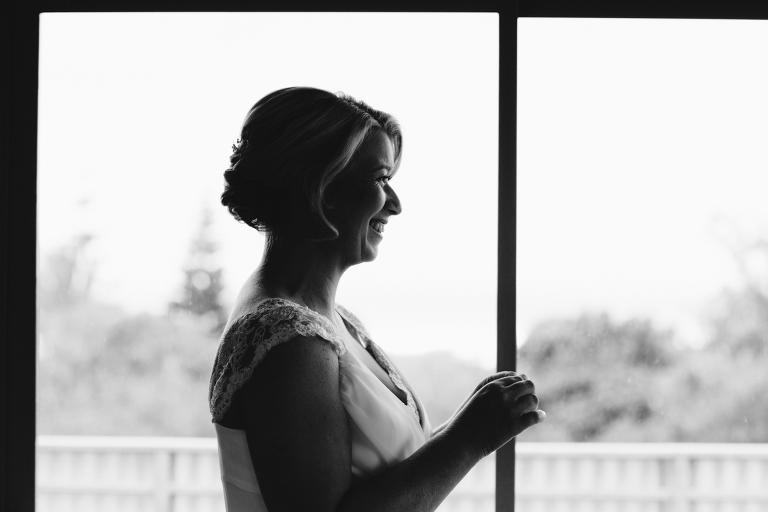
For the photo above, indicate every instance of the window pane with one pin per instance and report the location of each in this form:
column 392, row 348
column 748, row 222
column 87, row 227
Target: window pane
column 643, row 263
column 140, row 264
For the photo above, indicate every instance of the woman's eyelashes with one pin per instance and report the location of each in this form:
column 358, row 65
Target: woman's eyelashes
column 383, row 179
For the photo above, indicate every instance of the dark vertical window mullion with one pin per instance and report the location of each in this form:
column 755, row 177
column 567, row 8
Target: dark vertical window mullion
column 18, row 210
column 506, row 345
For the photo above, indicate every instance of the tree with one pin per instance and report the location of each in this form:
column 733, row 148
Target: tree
column 66, row 274
column 595, row 377
column 601, row 380
column 739, row 318
column 732, row 391
column 203, row 278
column 105, row 373
column 739, row 324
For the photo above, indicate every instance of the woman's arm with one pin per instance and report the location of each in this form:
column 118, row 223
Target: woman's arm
column 299, row 438
column 297, row 429
column 419, row 483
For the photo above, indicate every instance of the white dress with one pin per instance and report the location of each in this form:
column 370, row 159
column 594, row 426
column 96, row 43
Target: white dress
column 384, row 430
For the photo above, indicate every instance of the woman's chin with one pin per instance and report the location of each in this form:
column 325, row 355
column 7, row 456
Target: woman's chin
column 370, row 252
column 370, row 256
column 371, row 248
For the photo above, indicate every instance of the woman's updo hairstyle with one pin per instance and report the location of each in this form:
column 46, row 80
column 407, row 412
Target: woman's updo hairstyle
column 295, row 143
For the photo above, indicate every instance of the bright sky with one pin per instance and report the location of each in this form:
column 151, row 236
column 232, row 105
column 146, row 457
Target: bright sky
column 642, row 147
column 633, row 137
column 138, row 113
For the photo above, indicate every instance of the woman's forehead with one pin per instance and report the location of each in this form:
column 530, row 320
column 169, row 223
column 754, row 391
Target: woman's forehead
column 377, row 151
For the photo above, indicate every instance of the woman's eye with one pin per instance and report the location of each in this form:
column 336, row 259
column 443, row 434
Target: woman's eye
column 383, row 180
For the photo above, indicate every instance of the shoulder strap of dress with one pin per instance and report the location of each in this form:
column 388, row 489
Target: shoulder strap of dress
column 356, row 323
column 244, row 345
column 382, row 359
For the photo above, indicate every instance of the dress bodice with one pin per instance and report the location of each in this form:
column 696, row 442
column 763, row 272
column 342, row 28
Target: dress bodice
column 384, row 430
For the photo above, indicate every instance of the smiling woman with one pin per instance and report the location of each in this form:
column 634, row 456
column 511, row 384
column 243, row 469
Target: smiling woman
column 310, row 413
column 366, row 199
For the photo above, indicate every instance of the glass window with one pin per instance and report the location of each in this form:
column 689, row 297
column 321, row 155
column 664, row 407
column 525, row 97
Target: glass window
column 140, row 264
column 642, row 263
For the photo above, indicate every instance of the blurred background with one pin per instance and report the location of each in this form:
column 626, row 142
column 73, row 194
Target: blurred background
column 642, row 260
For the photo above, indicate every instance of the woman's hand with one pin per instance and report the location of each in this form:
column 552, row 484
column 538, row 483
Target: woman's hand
column 488, row 379
column 503, row 406
column 485, row 381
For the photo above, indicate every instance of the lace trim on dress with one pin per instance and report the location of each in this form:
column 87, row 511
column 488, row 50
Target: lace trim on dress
column 382, row 360
column 250, row 337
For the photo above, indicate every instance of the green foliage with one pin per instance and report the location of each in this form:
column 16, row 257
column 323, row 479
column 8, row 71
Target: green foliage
column 102, row 372
column 721, row 399
column 605, row 381
column 739, row 322
column 202, row 278
column 595, row 376
column 594, row 341
column 67, row 274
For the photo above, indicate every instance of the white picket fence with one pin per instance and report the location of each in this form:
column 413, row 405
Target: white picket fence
column 138, row 474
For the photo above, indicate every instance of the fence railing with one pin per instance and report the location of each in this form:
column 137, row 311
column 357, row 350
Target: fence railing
column 139, row 474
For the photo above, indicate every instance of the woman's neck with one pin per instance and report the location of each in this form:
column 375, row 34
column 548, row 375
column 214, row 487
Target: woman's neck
column 301, row 271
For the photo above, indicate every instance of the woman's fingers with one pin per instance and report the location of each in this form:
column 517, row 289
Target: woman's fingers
column 521, row 386
column 527, row 403
column 531, row 418
column 491, row 378
column 521, row 383
column 503, row 375
column 505, row 379
column 523, row 395
column 506, row 376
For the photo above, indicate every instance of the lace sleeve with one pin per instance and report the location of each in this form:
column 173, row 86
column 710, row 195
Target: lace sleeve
column 249, row 339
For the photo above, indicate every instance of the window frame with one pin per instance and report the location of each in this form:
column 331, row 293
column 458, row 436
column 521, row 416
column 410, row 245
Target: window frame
column 18, row 187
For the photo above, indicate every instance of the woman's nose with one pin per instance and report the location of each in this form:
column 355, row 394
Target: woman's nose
column 393, row 202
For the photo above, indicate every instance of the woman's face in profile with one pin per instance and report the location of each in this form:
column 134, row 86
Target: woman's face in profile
column 366, row 199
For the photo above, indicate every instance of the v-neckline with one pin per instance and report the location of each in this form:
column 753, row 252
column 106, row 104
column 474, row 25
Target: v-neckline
column 383, row 362
column 365, row 343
